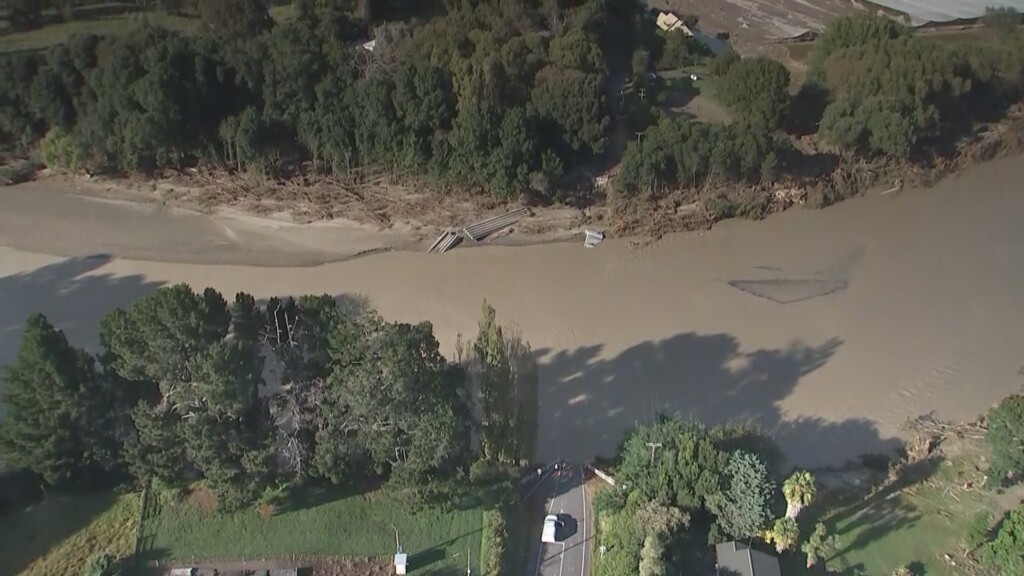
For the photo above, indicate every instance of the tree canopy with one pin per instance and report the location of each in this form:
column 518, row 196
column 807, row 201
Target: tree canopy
column 758, row 88
column 477, row 97
column 682, row 484
column 1006, row 438
column 505, row 377
column 45, row 391
column 239, row 396
column 744, row 507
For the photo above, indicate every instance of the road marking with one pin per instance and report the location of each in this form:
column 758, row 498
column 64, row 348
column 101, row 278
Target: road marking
column 583, row 485
column 551, row 506
column 562, row 561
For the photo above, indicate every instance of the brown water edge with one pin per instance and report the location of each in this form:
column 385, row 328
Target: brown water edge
column 898, row 305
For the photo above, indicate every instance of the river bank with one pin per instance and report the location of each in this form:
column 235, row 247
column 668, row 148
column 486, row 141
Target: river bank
column 830, row 328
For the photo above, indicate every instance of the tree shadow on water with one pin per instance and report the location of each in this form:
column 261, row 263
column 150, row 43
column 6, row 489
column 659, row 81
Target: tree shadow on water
column 71, row 295
column 587, row 403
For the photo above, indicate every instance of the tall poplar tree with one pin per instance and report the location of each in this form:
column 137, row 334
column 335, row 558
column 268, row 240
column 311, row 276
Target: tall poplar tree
column 506, row 380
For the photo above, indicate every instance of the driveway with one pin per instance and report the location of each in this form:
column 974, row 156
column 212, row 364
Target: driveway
column 566, row 497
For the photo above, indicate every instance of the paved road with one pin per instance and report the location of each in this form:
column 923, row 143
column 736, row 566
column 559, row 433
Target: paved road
column 566, row 497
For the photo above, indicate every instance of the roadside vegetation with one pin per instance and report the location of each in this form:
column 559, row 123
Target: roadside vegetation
column 273, row 427
column 697, row 487
column 951, row 503
column 314, row 522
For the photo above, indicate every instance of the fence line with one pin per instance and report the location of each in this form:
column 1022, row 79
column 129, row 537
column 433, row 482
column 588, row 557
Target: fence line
column 603, row 475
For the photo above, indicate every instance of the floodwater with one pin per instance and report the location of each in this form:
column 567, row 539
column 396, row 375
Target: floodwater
column 830, row 328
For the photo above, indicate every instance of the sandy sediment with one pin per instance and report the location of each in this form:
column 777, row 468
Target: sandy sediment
column 830, row 328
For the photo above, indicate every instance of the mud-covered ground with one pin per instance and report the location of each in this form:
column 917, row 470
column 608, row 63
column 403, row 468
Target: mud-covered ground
column 755, row 26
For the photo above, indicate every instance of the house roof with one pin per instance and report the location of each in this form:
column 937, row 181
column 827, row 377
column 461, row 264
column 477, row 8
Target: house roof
column 669, row 22
column 739, row 559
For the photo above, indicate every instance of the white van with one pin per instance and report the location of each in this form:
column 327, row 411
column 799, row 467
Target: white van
column 551, row 526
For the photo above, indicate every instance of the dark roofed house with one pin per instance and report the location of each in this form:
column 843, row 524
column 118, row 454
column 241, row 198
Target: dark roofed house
column 738, row 559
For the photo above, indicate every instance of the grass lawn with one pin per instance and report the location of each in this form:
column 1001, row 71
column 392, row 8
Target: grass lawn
column 55, row 537
column 916, row 524
column 320, row 523
column 106, row 20
column 698, row 99
column 52, row 34
column 800, row 52
column 952, row 37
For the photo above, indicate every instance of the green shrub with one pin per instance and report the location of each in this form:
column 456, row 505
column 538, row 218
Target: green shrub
column 493, row 543
column 977, row 530
column 903, row 571
column 1005, row 20
column 758, row 89
column 722, row 63
column 1006, row 438
column 101, row 564
column 719, row 207
column 484, row 472
column 1005, row 553
column 59, row 151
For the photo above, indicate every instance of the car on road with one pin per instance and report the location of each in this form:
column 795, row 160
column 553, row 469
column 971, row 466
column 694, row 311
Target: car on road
column 551, row 525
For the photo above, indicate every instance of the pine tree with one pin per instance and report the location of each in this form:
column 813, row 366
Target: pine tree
column 745, row 504
column 201, row 366
column 157, row 452
column 42, row 390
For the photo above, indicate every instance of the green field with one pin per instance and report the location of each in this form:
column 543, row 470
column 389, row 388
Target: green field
column 915, row 525
column 319, row 523
column 107, row 19
column 917, row 521
column 800, row 52
column 56, row 536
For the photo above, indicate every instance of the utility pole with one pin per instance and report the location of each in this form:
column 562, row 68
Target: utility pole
column 469, row 553
column 654, row 447
column 398, row 546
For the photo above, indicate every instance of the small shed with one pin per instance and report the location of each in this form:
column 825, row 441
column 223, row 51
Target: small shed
column 401, row 563
column 742, row 560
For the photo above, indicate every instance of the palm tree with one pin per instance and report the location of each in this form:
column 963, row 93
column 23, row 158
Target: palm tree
column 785, row 534
column 799, row 491
column 820, row 545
